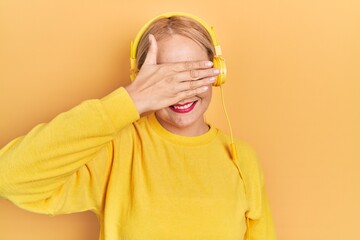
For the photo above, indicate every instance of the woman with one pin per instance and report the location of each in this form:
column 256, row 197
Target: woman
column 164, row 176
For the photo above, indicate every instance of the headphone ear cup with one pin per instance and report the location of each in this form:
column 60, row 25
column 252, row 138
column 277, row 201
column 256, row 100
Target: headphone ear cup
column 219, row 63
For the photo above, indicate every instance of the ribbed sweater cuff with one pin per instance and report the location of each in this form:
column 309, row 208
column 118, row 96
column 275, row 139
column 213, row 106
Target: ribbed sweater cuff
column 120, row 108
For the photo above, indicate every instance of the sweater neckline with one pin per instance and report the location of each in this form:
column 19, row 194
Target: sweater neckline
column 179, row 139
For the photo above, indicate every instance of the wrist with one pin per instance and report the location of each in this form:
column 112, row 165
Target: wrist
column 137, row 100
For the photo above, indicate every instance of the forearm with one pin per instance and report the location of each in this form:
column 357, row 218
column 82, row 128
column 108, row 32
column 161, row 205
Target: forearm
column 40, row 162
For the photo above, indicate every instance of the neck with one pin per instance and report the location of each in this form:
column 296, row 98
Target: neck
column 196, row 129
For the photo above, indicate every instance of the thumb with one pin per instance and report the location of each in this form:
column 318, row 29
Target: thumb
column 151, row 57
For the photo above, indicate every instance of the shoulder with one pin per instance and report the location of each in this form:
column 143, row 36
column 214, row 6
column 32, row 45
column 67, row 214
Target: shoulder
column 247, row 157
column 251, row 171
column 132, row 131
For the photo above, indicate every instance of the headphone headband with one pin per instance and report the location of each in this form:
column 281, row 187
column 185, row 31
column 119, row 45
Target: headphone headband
column 218, row 60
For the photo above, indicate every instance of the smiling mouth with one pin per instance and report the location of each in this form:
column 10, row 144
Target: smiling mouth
column 183, row 108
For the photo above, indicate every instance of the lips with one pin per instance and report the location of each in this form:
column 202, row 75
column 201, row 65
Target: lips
column 183, row 108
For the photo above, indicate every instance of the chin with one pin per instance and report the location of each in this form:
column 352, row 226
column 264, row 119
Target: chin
column 189, row 124
column 183, row 122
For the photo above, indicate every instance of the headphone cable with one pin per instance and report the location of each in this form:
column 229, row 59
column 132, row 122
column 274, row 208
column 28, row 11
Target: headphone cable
column 233, row 149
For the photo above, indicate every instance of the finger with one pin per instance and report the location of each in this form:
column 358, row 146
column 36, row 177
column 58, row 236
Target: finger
column 151, row 57
column 187, row 66
column 196, row 74
column 184, row 86
column 192, row 92
column 191, row 84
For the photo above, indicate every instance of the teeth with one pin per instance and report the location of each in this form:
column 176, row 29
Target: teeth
column 183, row 106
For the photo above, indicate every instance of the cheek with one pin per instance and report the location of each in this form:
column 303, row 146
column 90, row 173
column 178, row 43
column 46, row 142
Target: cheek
column 206, row 96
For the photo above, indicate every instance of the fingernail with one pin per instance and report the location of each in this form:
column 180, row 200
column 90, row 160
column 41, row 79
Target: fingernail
column 212, row 79
column 209, row 63
column 216, row 71
column 205, row 88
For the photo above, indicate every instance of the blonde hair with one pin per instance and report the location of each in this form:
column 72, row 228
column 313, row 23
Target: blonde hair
column 180, row 25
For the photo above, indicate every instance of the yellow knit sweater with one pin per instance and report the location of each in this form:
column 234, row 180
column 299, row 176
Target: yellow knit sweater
column 143, row 182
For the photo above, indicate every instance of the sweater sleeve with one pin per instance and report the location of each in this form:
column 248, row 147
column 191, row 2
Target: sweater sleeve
column 63, row 166
column 260, row 222
column 262, row 227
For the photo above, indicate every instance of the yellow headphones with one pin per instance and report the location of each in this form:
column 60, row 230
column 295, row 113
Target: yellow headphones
column 218, row 61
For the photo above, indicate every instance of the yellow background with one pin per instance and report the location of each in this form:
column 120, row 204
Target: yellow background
column 292, row 92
